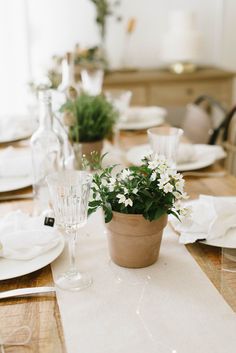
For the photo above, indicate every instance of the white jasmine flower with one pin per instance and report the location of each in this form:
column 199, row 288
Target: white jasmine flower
column 135, row 191
column 168, row 188
column 184, row 196
column 160, row 185
column 126, row 191
column 111, row 187
column 112, row 181
column 128, row 202
column 177, row 195
column 164, row 178
column 125, row 174
column 104, row 182
column 153, row 176
column 153, row 164
column 121, row 198
column 94, row 186
column 179, row 185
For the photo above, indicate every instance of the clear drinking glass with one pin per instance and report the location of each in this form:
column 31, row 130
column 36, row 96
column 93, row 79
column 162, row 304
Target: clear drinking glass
column 69, row 192
column 165, row 141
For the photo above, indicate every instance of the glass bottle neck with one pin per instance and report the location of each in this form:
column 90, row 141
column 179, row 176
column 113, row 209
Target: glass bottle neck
column 45, row 115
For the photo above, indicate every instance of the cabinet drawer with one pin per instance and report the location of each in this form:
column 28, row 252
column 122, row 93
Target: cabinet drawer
column 174, row 94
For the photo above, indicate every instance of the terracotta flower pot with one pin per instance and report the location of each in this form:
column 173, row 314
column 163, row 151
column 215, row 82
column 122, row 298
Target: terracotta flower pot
column 85, row 148
column 88, row 147
column 134, row 241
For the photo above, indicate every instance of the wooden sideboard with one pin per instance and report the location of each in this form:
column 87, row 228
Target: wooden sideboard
column 173, row 91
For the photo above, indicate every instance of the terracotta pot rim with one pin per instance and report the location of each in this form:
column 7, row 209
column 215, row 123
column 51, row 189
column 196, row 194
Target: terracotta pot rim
column 137, row 215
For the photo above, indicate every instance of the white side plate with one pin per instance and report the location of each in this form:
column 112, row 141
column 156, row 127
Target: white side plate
column 15, row 268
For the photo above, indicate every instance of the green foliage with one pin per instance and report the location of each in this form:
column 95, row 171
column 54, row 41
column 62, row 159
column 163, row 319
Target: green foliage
column 153, row 189
column 95, row 118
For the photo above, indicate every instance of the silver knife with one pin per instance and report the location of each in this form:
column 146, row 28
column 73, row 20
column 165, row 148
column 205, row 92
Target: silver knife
column 23, row 292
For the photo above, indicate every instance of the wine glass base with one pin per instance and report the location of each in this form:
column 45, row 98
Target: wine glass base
column 73, row 281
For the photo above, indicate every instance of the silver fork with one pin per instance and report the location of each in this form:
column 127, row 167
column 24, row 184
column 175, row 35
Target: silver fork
column 24, row 292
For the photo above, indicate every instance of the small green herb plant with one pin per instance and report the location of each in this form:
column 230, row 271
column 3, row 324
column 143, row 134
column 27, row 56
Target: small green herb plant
column 153, row 189
column 89, row 118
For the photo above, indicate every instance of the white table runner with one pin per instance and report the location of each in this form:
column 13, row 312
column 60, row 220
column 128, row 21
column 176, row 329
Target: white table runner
column 170, row 307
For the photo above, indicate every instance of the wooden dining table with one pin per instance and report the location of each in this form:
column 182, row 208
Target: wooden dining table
column 41, row 313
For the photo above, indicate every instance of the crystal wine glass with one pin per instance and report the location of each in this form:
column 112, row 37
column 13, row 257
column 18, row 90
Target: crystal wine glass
column 69, row 192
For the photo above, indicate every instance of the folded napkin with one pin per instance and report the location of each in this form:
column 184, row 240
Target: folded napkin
column 15, row 162
column 186, row 153
column 12, row 127
column 212, row 217
column 142, row 113
column 23, row 237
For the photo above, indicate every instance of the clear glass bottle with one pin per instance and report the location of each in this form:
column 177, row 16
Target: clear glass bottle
column 46, row 152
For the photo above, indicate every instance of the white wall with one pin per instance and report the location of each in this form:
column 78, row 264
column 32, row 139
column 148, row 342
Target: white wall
column 56, row 25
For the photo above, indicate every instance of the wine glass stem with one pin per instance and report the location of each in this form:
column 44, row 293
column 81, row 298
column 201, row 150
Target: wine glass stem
column 72, row 252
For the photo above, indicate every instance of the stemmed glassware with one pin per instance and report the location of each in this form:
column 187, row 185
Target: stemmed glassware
column 69, row 192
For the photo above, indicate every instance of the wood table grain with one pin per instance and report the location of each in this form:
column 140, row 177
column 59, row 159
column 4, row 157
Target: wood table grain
column 42, row 314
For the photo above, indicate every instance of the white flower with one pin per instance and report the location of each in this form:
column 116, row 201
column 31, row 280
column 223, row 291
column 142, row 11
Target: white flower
column 153, row 176
column 111, row 187
column 135, row 191
column 153, row 164
column 177, row 195
column 128, row 202
column 94, row 186
column 185, row 196
column 179, row 185
column 160, row 185
column 121, row 198
column 104, row 182
column 125, row 174
column 168, row 188
column 112, row 181
column 126, row 191
column 165, row 178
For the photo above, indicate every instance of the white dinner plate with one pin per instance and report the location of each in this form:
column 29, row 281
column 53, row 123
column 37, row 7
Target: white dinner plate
column 204, row 157
column 18, row 137
column 15, row 268
column 140, row 118
column 15, row 128
column 15, row 182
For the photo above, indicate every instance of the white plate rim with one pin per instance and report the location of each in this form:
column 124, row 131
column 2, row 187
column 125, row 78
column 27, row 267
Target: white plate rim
column 141, row 125
column 21, row 183
column 17, row 138
column 37, row 263
column 181, row 167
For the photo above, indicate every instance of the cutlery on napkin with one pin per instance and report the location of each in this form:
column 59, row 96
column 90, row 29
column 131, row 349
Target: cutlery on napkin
column 23, row 237
column 15, row 162
column 212, row 217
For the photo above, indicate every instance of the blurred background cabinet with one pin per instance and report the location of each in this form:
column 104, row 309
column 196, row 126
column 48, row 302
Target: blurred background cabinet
column 174, row 92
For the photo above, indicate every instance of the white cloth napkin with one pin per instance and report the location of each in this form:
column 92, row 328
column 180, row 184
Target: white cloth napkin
column 12, row 127
column 188, row 153
column 211, row 218
column 23, row 237
column 15, row 162
column 142, row 113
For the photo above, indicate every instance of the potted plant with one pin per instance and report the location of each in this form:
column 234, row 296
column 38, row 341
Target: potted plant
column 136, row 203
column 90, row 119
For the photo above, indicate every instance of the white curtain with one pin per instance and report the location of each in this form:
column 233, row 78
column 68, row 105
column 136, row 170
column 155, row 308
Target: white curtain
column 14, row 57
